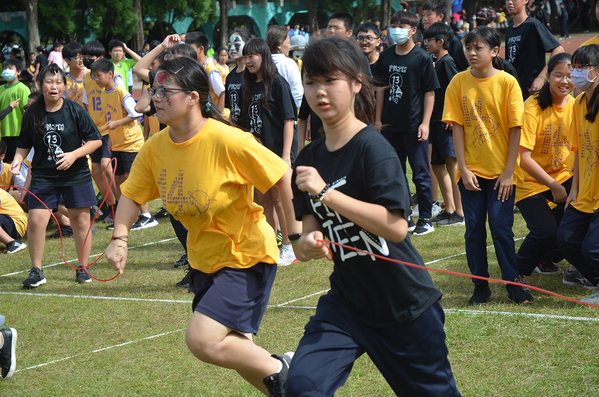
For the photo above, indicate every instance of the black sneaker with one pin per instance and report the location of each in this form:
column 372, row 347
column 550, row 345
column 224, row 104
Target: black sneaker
column 548, row 267
column 442, row 218
column 162, row 213
column 35, row 279
column 67, row 231
column 517, row 294
column 480, row 295
column 143, row 222
column 182, row 262
column 184, row 283
column 81, row 276
column 456, row 220
column 423, row 226
column 15, row 246
column 275, row 383
column 411, row 225
column 8, row 358
column 575, row 279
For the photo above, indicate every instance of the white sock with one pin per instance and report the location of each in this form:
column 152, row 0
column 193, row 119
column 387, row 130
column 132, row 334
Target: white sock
column 287, row 247
column 280, row 366
column 146, row 214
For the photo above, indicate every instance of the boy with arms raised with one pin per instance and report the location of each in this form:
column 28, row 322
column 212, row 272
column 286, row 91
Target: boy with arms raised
column 122, row 65
column 10, row 92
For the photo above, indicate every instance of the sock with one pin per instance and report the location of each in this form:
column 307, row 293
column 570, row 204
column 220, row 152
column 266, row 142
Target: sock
column 287, row 247
column 146, row 214
column 278, row 370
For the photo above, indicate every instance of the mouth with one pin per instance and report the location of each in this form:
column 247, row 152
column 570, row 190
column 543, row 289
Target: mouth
column 322, row 105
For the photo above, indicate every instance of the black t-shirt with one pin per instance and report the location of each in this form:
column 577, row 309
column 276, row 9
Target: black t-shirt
column 268, row 125
column 406, row 78
column 42, row 60
column 380, row 293
column 526, row 47
column 234, row 97
column 445, row 69
column 456, row 50
column 66, row 129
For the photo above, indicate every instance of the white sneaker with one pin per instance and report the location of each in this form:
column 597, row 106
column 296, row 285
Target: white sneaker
column 593, row 299
column 415, row 212
column 436, row 209
column 286, row 258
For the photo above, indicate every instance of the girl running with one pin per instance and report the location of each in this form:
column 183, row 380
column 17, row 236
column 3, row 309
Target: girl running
column 348, row 189
column 578, row 234
column 485, row 107
column 57, row 129
column 205, row 171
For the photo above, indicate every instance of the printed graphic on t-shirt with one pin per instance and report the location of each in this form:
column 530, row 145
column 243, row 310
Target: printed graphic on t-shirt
column 255, row 120
column 395, row 92
column 53, row 141
column 193, row 204
column 513, row 47
column 554, row 143
column 234, row 102
column 589, row 154
column 485, row 125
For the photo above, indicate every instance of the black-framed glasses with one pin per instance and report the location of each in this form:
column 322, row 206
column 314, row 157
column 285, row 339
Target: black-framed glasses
column 160, row 92
column 366, row 39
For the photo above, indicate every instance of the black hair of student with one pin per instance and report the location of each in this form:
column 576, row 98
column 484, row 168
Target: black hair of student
column 184, row 50
column 369, row 27
column 438, row 6
column 2, row 147
column 221, row 50
column 191, row 76
column 18, row 64
column 418, row 37
column 487, row 36
column 115, row 43
column 275, row 37
column 589, row 55
column 93, row 48
column 35, row 95
column 71, row 50
column 198, row 39
column 346, row 18
column 438, row 31
column 243, row 33
column 258, row 46
column 154, row 44
column 102, row 65
column 405, row 18
column 334, row 56
column 34, row 119
column 39, row 48
column 544, row 96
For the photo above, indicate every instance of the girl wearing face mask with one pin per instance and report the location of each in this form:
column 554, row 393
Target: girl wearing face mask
column 546, row 157
column 578, row 234
column 234, row 81
column 9, row 92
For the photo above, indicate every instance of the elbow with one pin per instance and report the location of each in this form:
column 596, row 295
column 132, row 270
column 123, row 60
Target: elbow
column 398, row 236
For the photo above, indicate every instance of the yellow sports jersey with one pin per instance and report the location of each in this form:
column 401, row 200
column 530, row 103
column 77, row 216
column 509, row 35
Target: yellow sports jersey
column 224, row 71
column 125, row 138
column 94, row 103
column 207, row 183
column 70, row 82
column 5, row 175
column 594, row 40
column 10, row 207
column 547, row 134
column 487, row 108
column 585, row 141
column 210, row 67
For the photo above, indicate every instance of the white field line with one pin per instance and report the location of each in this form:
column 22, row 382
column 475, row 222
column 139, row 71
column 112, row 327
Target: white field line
column 99, row 350
column 114, row 298
column 91, row 256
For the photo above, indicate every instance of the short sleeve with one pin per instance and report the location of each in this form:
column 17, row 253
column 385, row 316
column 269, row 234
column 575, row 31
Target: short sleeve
column 516, row 104
column 428, row 77
column 384, row 187
column 548, row 41
column 141, row 185
column 285, row 99
column 87, row 128
column 216, row 82
column 530, row 124
column 452, row 111
column 304, row 111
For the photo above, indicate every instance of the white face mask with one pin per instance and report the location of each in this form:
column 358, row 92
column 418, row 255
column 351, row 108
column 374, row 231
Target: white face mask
column 9, row 75
column 399, row 35
column 581, row 78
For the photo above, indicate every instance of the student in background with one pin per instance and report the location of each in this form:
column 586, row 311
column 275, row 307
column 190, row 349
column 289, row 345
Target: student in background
column 122, row 65
column 369, row 40
column 10, row 126
column 77, row 71
column 56, row 56
column 201, row 44
column 234, row 83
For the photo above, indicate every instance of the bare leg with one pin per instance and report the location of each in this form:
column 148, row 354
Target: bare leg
column 36, row 235
column 81, row 225
column 278, row 206
column 451, row 164
column 445, row 185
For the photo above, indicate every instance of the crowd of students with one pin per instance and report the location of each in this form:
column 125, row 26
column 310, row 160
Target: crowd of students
column 232, row 167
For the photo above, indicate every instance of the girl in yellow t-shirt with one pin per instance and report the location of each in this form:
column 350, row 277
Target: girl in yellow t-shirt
column 205, row 171
column 578, row 234
column 485, row 106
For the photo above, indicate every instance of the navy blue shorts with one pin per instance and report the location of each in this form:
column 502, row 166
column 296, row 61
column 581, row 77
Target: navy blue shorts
column 102, row 152
column 74, row 196
column 8, row 225
column 236, row 298
column 442, row 141
column 124, row 161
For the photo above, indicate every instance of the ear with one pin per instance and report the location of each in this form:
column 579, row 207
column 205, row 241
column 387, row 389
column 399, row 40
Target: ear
column 350, row 33
column 495, row 52
column 194, row 98
column 357, row 85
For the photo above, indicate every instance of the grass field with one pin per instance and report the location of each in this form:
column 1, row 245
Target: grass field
column 126, row 337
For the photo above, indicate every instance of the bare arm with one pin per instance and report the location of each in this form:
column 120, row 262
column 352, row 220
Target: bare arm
column 67, row 159
column 468, row 178
column 380, row 95
column 540, row 79
column 505, row 182
column 142, row 67
column 572, row 197
column 287, row 140
column 429, row 103
column 293, row 226
column 126, row 213
column 301, row 134
column 112, row 124
column 131, row 53
column 533, row 168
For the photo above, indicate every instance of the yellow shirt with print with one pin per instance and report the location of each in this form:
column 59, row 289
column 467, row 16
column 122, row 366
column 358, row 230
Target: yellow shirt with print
column 487, row 108
column 593, row 40
column 585, row 140
column 127, row 137
column 94, row 103
column 10, row 207
column 71, row 82
column 547, row 134
column 207, row 183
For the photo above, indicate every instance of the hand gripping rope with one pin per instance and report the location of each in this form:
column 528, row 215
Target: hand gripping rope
column 453, row 273
column 88, row 231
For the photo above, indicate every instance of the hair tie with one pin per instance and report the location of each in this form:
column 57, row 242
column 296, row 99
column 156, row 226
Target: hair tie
column 207, row 107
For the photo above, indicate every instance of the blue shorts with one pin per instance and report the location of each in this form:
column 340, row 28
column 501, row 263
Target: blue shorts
column 8, row 225
column 124, row 161
column 74, row 196
column 236, row 298
column 102, row 152
column 442, row 141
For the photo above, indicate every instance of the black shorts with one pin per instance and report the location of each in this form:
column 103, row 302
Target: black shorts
column 124, row 161
column 8, row 225
column 442, row 141
column 102, row 152
column 74, row 196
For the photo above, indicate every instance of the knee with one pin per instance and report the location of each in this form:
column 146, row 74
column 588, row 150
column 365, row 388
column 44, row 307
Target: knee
column 198, row 346
column 299, row 385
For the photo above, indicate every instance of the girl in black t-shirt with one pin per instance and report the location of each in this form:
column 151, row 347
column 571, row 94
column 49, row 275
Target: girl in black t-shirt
column 57, row 128
column 348, row 189
column 234, row 81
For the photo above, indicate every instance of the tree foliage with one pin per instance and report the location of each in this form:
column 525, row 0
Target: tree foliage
column 57, row 18
column 167, row 12
column 113, row 18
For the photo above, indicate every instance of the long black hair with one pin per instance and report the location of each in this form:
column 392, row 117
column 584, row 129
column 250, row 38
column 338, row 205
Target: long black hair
column 258, row 46
column 191, row 76
column 589, row 56
column 487, row 36
column 332, row 56
column 34, row 119
column 544, row 97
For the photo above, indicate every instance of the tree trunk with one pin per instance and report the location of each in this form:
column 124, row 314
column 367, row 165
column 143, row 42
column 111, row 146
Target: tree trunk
column 312, row 17
column 385, row 13
column 138, row 38
column 224, row 23
column 33, row 33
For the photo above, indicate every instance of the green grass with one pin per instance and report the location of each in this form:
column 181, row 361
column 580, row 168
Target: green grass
column 491, row 354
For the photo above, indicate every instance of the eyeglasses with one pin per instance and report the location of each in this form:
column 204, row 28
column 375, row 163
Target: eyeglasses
column 560, row 77
column 160, row 92
column 77, row 58
column 366, row 39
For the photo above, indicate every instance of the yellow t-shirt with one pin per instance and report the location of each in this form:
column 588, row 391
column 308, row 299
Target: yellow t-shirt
column 78, row 98
column 128, row 137
column 10, row 207
column 593, row 40
column 547, row 134
column 207, row 183
column 209, row 66
column 224, row 71
column 585, row 141
column 487, row 108
column 5, row 175
column 94, row 103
